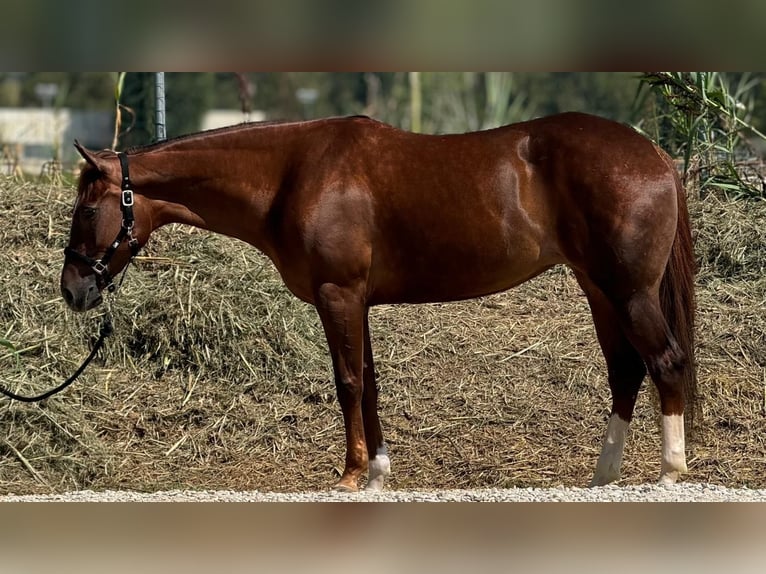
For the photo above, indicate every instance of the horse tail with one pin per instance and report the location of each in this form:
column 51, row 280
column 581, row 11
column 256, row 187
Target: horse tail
column 678, row 300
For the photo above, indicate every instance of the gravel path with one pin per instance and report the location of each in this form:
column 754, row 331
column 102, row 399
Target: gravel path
column 686, row 492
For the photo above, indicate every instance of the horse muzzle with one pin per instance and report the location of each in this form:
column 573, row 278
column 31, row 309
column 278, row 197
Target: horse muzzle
column 80, row 293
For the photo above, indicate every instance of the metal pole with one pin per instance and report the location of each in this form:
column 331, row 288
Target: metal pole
column 416, row 103
column 159, row 112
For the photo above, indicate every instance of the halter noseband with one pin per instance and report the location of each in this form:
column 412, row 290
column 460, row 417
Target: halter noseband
column 101, row 266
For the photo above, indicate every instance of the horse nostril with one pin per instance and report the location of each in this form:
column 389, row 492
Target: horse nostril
column 67, row 295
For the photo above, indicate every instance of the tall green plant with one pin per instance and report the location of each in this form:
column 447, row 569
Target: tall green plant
column 119, row 109
column 503, row 103
column 416, row 103
column 459, row 102
column 704, row 117
column 118, row 85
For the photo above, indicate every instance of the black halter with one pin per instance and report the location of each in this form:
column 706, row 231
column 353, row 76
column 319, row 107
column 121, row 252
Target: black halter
column 101, row 269
column 101, row 266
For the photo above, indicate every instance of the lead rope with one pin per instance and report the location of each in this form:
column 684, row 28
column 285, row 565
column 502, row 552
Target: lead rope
column 106, row 328
column 104, row 331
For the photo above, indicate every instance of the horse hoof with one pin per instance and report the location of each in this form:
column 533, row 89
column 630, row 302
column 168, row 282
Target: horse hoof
column 375, row 485
column 669, row 478
column 345, row 487
column 603, row 480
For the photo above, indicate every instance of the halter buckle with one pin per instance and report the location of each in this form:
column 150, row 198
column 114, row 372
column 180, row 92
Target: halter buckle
column 99, row 268
column 134, row 246
column 127, row 198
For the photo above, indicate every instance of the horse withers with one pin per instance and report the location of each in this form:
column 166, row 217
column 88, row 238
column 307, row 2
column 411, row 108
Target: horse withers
column 355, row 213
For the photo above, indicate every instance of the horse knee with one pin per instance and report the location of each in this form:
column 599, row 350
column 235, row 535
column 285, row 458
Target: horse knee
column 349, row 387
column 666, row 363
column 669, row 364
column 667, row 370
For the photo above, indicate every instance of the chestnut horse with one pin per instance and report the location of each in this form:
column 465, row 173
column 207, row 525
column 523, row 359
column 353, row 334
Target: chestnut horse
column 355, row 213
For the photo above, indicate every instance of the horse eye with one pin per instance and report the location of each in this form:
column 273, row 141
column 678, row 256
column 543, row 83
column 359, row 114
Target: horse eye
column 89, row 212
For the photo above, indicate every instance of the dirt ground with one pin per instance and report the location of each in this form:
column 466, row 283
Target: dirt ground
column 217, row 378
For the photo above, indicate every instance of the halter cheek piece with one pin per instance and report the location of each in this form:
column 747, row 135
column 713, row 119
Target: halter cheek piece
column 101, row 269
column 101, row 266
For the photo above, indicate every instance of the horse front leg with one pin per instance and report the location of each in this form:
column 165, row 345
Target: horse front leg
column 380, row 465
column 342, row 311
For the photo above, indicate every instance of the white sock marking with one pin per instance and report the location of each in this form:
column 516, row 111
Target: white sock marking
column 673, row 449
column 379, row 468
column 610, row 459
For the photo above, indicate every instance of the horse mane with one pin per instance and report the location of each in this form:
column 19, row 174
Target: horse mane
column 226, row 129
column 89, row 173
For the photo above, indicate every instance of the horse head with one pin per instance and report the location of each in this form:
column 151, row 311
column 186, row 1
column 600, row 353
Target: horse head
column 109, row 225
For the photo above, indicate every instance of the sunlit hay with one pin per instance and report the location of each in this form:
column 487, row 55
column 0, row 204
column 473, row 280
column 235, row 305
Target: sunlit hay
column 217, row 377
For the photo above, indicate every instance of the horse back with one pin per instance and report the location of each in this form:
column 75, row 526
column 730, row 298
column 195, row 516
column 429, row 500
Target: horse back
column 446, row 217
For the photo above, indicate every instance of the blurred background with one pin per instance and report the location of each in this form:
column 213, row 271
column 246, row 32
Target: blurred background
column 41, row 113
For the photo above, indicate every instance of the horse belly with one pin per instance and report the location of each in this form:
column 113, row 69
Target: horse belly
column 432, row 270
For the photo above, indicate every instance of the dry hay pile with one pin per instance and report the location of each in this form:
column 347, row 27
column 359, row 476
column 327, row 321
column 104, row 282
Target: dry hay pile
column 216, row 377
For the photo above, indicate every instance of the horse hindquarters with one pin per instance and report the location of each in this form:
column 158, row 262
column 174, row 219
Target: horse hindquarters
column 625, row 372
column 634, row 338
column 648, row 326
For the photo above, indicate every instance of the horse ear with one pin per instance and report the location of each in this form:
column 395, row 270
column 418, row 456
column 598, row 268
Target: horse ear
column 90, row 157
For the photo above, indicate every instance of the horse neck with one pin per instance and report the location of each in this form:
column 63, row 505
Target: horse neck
column 225, row 191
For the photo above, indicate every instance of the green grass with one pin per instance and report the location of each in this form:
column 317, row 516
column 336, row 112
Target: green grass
column 704, row 117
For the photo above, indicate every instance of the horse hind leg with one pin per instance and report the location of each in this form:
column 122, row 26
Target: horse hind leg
column 640, row 318
column 626, row 372
column 647, row 329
